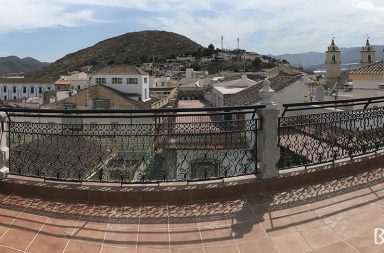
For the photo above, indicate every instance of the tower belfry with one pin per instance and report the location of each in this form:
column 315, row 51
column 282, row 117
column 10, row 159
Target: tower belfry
column 332, row 63
column 367, row 54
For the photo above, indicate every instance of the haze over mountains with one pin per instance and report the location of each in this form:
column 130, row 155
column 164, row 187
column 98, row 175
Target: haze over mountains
column 138, row 47
column 315, row 60
column 13, row 64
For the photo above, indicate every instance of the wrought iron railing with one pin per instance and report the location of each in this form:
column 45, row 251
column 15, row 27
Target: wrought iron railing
column 130, row 146
column 308, row 139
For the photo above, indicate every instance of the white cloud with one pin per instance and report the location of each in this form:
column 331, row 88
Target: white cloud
column 267, row 26
column 25, row 14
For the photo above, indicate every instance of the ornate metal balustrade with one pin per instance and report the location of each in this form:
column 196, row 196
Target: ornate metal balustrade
column 133, row 146
column 310, row 139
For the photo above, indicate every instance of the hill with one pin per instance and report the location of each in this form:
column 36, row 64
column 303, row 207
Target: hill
column 312, row 60
column 130, row 48
column 13, row 64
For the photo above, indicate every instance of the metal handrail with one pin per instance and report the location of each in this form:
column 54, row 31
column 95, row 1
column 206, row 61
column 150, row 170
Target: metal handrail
column 326, row 104
column 112, row 111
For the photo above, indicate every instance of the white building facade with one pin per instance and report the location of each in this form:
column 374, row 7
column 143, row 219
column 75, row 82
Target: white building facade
column 126, row 79
column 12, row 88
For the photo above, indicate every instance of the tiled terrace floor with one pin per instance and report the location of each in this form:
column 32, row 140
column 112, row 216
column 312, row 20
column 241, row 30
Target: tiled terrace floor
column 337, row 216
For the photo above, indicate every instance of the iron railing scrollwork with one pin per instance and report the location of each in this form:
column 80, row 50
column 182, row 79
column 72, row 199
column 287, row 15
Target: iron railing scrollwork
column 317, row 138
column 133, row 146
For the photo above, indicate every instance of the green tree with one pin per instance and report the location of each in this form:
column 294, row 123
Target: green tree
column 211, row 49
column 257, row 63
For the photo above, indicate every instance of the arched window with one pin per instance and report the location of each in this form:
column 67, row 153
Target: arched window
column 333, row 58
column 369, row 58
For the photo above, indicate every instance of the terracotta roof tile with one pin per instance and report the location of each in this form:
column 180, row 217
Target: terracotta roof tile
column 121, row 70
column 251, row 94
column 26, row 81
column 371, row 69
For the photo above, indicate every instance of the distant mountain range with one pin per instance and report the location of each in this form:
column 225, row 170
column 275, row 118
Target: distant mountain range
column 131, row 48
column 316, row 60
column 13, row 64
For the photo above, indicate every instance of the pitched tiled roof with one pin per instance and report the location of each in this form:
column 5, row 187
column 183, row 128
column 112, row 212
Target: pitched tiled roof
column 244, row 81
column 63, row 82
column 26, row 81
column 251, row 94
column 99, row 89
column 371, row 69
column 121, row 70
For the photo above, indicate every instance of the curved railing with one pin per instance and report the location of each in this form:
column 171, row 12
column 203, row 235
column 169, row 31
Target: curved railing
column 313, row 135
column 132, row 146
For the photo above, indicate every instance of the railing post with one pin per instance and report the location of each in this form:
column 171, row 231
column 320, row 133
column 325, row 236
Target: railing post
column 4, row 150
column 268, row 152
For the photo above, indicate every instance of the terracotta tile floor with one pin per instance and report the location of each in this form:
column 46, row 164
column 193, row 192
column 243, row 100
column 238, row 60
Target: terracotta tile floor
column 336, row 216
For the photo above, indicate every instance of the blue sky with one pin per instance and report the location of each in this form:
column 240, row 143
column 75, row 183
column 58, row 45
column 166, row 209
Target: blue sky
column 49, row 29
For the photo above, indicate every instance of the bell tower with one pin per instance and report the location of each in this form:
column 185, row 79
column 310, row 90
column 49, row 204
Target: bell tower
column 332, row 63
column 367, row 54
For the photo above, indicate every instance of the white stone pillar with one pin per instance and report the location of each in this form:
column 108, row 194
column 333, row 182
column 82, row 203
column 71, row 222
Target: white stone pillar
column 4, row 150
column 268, row 151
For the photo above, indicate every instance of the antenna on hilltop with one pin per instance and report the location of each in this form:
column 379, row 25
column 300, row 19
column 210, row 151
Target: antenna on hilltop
column 238, row 44
column 222, row 42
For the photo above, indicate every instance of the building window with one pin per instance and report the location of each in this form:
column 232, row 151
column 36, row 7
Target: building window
column 5, row 88
column 5, row 97
column 132, row 81
column 100, row 80
column 117, row 80
column 145, row 79
column 369, row 58
column 146, row 93
column 101, row 104
column 32, row 90
column 40, row 90
column 333, row 58
column 162, row 83
column 49, row 88
column 14, row 89
column 78, row 87
column 24, row 90
column 381, row 86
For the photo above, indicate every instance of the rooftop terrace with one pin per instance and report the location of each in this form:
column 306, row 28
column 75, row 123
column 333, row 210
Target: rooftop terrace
column 333, row 216
column 177, row 180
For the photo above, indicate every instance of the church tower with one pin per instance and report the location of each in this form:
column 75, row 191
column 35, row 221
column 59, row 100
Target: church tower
column 332, row 63
column 367, row 54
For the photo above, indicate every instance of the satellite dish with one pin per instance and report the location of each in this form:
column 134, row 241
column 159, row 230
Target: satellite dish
column 319, row 94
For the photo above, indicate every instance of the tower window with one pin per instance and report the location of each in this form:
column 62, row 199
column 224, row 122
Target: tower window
column 333, row 58
column 369, row 58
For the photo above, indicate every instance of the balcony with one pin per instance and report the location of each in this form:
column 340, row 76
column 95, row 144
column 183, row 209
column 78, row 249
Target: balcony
column 193, row 179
